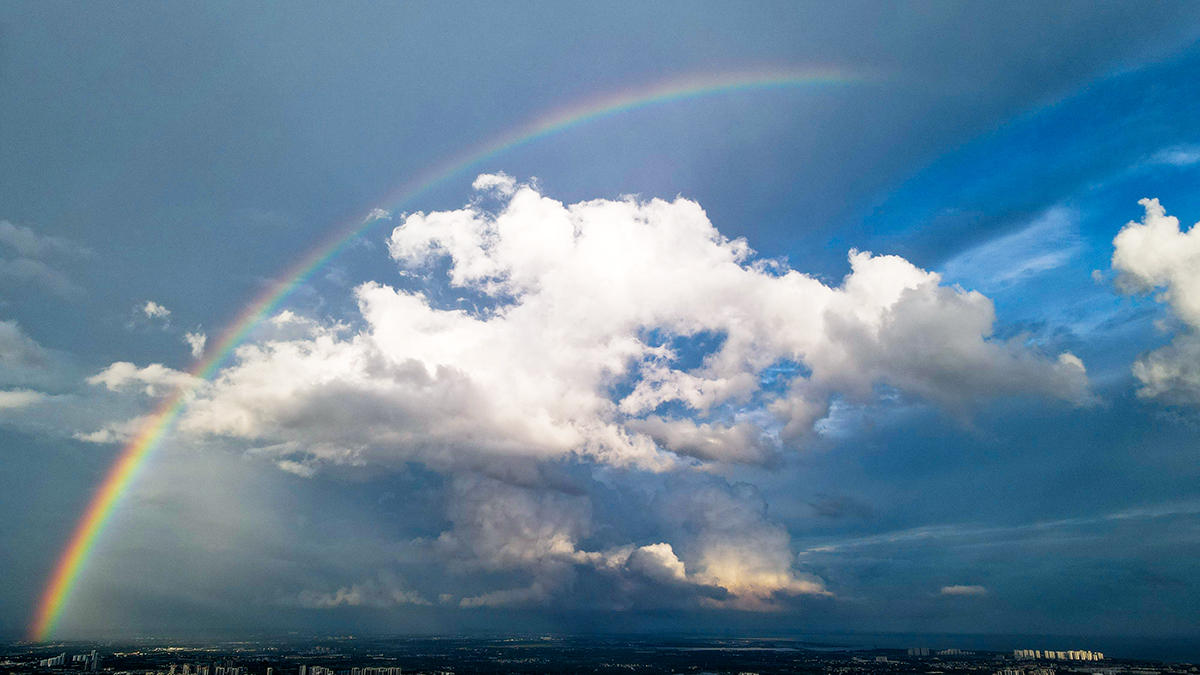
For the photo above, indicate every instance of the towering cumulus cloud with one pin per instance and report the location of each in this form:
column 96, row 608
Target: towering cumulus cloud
column 622, row 333
column 1156, row 254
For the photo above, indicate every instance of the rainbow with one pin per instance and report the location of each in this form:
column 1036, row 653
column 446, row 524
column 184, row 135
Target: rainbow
column 134, row 455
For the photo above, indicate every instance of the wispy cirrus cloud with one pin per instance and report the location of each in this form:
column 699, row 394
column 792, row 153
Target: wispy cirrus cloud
column 29, row 259
column 969, row 532
column 961, row 590
column 19, row 398
column 1177, row 155
column 27, row 242
column 1048, row 242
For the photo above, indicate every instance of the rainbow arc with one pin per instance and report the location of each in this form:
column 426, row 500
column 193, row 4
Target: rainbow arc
column 134, row 454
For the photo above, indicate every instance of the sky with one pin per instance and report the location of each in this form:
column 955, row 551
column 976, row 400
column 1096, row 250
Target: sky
column 890, row 323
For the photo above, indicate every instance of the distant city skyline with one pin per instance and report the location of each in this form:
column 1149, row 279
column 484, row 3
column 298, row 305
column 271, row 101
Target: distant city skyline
column 349, row 655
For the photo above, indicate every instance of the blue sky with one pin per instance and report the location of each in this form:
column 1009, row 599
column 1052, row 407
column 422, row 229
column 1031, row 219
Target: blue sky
column 631, row 415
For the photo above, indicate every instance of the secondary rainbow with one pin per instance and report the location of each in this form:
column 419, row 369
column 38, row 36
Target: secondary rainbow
column 134, row 455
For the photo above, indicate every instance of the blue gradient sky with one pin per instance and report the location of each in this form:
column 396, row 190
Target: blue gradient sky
column 186, row 155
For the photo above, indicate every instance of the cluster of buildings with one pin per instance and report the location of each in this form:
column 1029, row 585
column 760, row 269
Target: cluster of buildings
column 924, row 651
column 1020, row 671
column 188, row 669
column 1050, row 654
column 197, row 669
column 88, row 662
column 54, row 661
column 321, row 670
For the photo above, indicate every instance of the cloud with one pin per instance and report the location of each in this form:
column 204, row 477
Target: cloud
column 19, row 398
column 28, row 266
column 500, row 526
column 298, row 468
column 1178, row 155
column 1171, row 373
column 155, row 378
column 740, row 442
column 619, row 334
column 658, row 562
column 385, row 592
column 46, row 386
column 378, row 214
column 503, row 527
column 195, row 342
column 1049, row 242
column 735, row 546
column 114, row 432
column 29, row 243
column 500, row 183
column 572, row 300
column 1157, row 255
column 735, row 557
column 22, row 272
column 26, row 364
column 959, row 590
column 153, row 310
column 1003, row 533
column 18, row 350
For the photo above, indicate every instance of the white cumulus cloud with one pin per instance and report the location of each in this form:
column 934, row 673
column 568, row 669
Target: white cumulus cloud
column 153, row 310
column 574, row 297
column 196, row 342
column 154, row 379
column 114, row 432
column 620, row 333
column 1157, row 255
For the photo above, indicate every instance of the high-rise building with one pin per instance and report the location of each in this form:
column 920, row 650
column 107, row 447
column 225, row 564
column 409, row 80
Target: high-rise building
column 1056, row 655
column 54, row 662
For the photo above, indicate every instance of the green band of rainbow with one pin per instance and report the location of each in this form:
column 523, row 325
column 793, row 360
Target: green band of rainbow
column 133, row 456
